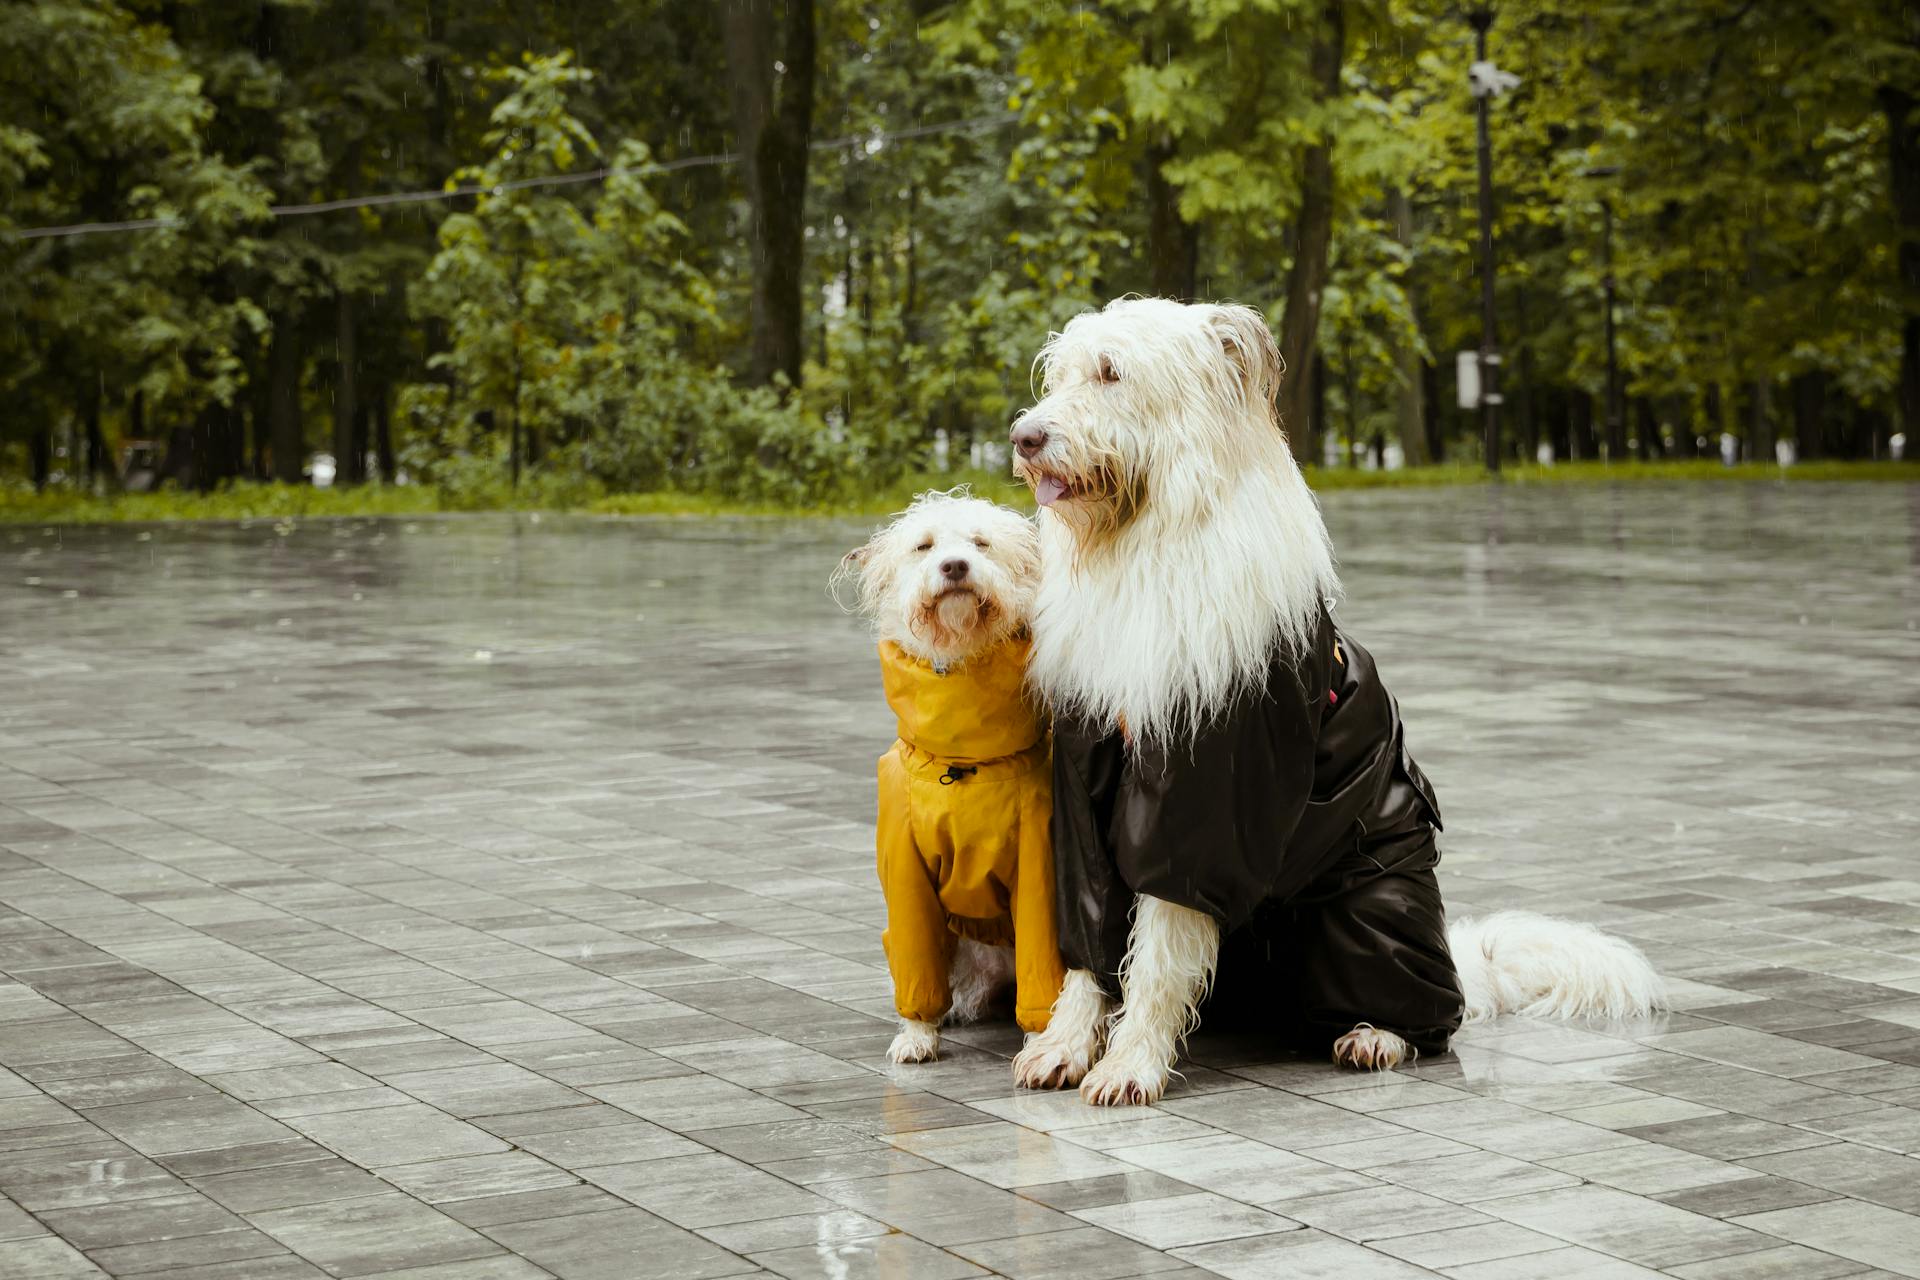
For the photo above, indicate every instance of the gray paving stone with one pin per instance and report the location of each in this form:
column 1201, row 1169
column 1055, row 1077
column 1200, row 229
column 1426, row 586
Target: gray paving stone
column 1865, row 1233
column 1463, row 1246
column 498, row 865
column 1375, row 1213
column 617, row 1245
column 187, row 1124
column 1788, row 1262
column 470, row 1177
column 771, row 1234
column 1309, row 1254
column 869, row 1258
column 140, row 1221
column 371, row 1234
column 1084, row 1253
column 1195, row 1218
column 1636, row 1229
column 189, row 1255
column 704, row 1190
column 44, row 1256
column 283, row 1186
column 393, row 1135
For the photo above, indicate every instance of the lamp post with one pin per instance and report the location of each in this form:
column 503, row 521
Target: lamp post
column 1486, row 81
column 1616, row 419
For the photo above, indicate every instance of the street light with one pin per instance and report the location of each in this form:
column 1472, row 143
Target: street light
column 1486, row 81
column 1616, row 420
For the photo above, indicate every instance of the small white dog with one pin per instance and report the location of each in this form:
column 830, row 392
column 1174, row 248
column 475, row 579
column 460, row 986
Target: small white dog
column 962, row 839
column 1230, row 774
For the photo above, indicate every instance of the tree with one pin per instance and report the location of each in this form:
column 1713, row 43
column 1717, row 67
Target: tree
column 1313, row 237
column 107, row 123
column 770, row 65
column 925, row 188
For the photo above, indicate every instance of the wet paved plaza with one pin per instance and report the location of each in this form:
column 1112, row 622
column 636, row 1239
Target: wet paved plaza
column 490, row 897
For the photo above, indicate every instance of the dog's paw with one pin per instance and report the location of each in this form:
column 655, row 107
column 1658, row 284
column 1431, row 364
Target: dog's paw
column 1049, row 1063
column 1125, row 1079
column 917, row 1042
column 1367, row 1048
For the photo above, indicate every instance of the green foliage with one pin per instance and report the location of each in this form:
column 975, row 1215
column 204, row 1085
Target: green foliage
column 101, row 118
column 22, row 506
column 594, row 330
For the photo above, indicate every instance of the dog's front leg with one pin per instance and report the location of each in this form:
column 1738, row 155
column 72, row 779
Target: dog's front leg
column 1058, row 1057
column 1168, row 968
column 917, row 1042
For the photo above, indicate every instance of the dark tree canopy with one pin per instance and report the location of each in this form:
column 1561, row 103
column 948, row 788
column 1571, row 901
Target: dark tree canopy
column 830, row 234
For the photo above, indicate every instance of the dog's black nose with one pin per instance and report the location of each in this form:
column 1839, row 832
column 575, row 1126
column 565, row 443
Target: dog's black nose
column 1029, row 438
column 953, row 570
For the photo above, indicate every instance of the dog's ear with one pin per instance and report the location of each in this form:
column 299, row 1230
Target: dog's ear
column 851, row 574
column 1244, row 335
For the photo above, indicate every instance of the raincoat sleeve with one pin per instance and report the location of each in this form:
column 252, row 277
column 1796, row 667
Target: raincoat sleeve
column 918, row 943
column 1207, row 824
column 1038, row 970
column 1210, row 825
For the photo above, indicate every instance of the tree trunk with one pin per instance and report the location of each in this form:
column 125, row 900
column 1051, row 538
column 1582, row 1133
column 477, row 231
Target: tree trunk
column 910, row 305
column 362, row 440
column 347, row 469
column 1903, row 147
column 1528, row 442
column 1686, row 435
column 1173, row 243
column 1410, row 398
column 1615, row 427
column 40, row 457
column 73, row 445
column 773, row 118
column 1875, row 433
column 1809, row 414
column 1300, row 326
column 383, row 432
column 286, row 434
column 1554, row 411
column 1353, row 405
column 1760, row 434
column 1430, row 411
column 259, row 420
column 1583, row 444
column 1317, row 411
column 1647, row 430
column 94, row 442
column 1686, row 432
column 215, row 447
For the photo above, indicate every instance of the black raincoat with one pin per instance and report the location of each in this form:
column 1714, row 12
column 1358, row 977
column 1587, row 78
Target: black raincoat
column 1300, row 823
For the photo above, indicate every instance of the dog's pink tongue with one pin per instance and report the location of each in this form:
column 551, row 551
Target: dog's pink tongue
column 1048, row 491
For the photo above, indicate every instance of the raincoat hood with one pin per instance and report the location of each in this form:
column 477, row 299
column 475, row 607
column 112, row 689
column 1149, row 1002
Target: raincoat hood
column 974, row 712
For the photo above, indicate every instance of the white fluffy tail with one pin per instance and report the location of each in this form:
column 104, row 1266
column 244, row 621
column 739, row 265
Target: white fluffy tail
column 1545, row 967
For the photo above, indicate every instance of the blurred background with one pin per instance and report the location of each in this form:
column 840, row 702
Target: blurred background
column 797, row 252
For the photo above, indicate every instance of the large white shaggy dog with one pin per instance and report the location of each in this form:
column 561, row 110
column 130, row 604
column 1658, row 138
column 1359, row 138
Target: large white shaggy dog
column 965, row 799
column 1229, row 770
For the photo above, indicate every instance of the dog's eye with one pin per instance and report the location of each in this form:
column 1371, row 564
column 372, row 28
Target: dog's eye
column 927, row 545
column 1107, row 371
column 980, row 542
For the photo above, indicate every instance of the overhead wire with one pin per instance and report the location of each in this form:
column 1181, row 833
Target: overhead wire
column 975, row 124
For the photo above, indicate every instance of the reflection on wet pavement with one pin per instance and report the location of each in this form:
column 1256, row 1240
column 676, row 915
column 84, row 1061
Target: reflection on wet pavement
column 494, row 895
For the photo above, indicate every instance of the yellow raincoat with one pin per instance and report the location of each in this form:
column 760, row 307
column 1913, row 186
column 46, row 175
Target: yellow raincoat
column 966, row 797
